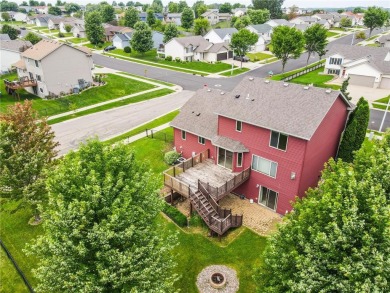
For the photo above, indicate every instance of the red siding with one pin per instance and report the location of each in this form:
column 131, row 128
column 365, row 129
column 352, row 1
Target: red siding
column 191, row 144
column 323, row 145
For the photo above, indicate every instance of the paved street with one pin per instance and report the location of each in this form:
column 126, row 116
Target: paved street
column 376, row 117
column 116, row 121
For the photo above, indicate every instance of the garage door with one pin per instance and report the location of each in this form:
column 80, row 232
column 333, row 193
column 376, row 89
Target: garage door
column 385, row 83
column 222, row 56
column 230, row 54
column 361, row 80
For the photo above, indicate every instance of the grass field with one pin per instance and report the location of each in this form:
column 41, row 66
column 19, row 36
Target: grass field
column 314, row 77
column 259, row 56
column 98, row 47
column 331, row 34
column 10, row 279
column 117, row 86
column 77, row 40
column 286, row 74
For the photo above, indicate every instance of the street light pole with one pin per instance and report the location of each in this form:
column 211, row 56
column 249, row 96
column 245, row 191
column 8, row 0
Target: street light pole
column 384, row 115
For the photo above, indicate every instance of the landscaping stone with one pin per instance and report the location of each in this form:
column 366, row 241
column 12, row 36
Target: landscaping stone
column 203, row 280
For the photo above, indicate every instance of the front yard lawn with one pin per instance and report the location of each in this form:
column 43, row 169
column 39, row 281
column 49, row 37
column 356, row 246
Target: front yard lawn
column 117, row 86
column 286, row 74
column 77, row 40
column 383, row 102
column 331, row 34
column 99, row 46
column 259, row 56
column 315, row 77
column 373, row 45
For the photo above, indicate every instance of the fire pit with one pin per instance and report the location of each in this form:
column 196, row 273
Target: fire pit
column 217, row 280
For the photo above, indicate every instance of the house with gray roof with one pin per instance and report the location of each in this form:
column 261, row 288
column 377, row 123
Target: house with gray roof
column 196, row 48
column 220, row 35
column 304, row 20
column 10, row 51
column 122, row 40
column 264, row 30
column 365, row 66
column 282, row 134
column 277, row 22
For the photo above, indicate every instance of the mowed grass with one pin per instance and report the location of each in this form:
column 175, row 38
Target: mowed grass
column 77, row 40
column 383, row 102
column 116, row 86
column 315, row 77
column 286, row 74
column 10, row 279
column 258, row 56
column 236, row 71
column 331, row 34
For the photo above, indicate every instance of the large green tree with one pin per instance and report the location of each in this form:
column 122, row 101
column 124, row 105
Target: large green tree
column 258, row 16
column 131, row 17
column 94, row 28
column 141, row 40
column 225, row 8
column 288, row 43
column 187, row 18
column 242, row 41
column 170, row 32
column 201, row 26
column 315, row 40
column 273, row 6
column 54, row 10
column 346, row 22
column 182, row 6
column 157, row 6
column 10, row 31
column 100, row 226
column 72, row 7
column 242, row 22
column 375, row 17
column 173, row 7
column 107, row 12
column 5, row 16
column 33, row 38
column 344, row 88
column 199, row 8
column 150, row 17
column 337, row 237
column 27, row 149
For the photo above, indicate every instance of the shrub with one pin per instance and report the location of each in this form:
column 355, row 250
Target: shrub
column 360, row 35
column 175, row 215
column 171, row 157
column 177, row 59
column 61, row 35
column 127, row 49
column 168, row 58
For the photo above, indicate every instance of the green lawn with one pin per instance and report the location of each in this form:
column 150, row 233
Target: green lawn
column 222, row 24
column 384, row 101
column 317, row 78
column 331, row 34
column 77, row 40
column 259, row 56
column 373, row 45
column 371, row 38
column 236, row 71
column 117, row 86
column 10, row 279
column 195, row 65
column 99, row 46
column 146, row 78
column 286, row 74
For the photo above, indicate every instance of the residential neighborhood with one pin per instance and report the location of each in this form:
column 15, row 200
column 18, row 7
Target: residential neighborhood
column 224, row 147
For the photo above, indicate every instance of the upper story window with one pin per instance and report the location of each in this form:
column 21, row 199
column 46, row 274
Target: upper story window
column 238, row 126
column 264, row 166
column 183, row 135
column 36, row 63
column 239, row 159
column 201, row 140
column 278, row 140
column 39, row 78
column 336, row 61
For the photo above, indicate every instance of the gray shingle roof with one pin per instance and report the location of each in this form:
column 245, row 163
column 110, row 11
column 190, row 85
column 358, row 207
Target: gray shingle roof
column 222, row 32
column 15, row 45
column 4, row 37
column 302, row 26
column 229, row 144
column 288, row 109
column 262, row 28
column 375, row 56
column 193, row 40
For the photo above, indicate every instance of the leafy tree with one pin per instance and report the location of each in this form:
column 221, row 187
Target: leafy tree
column 10, row 31
column 24, row 3
column 201, row 26
column 173, row 7
column 114, row 3
column 68, row 28
column 33, row 3
column 374, row 17
column 27, row 148
column 33, row 38
column 170, row 32
column 258, row 16
column 293, row 12
column 182, row 5
column 344, row 87
column 8, row 6
column 131, row 17
column 100, row 232
column 225, row 8
column 273, row 6
column 150, row 17
column 94, row 28
column 287, row 43
column 142, row 38
column 130, row 4
column 121, row 4
column 347, row 143
column 199, row 8
column 358, row 10
column 360, row 35
column 340, row 10
column 72, row 7
column 242, row 22
column 54, row 10
column 107, row 13
column 42, row 3
column 5, row 16
column 346, row 22
column 242, row 41
column 238, row 5
column 315, row 40
column 187, row 18
column 157, row 6
column 337, row 237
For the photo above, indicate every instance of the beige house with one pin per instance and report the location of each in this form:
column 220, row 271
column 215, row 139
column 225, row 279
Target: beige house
column 57, row 67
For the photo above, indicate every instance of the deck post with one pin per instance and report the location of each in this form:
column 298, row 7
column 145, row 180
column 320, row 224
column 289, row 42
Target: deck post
column 190, row 208
column 183, row 166
column 174, row 171
column 171, row 196
column 192, row 161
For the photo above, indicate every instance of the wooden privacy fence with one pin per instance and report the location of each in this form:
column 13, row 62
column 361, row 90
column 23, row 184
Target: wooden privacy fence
column 290, row 77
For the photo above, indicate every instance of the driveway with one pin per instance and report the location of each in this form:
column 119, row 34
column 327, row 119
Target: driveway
column 369, row 94
column 111, row 123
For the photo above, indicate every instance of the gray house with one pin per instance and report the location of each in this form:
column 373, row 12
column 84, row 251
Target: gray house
column 123, row 40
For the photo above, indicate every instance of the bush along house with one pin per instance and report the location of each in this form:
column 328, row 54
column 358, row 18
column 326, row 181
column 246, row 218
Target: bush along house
column 266, row 140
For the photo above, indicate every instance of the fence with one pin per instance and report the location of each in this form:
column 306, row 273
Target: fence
column 290, row 77
column 156, row 134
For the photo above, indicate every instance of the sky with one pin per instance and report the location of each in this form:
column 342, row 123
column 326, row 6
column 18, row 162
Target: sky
column 287, row 3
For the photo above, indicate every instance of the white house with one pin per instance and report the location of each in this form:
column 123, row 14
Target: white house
column 57, row 67
column 78, row 30
column 220, row 35
column 277, row 22
column 330, row 17
column 10, row 52
column 42, row 9
column 122, row 40
column 54, row 23
column 302, row 27
column 17, row 16
column 211, row 16
column 365, row 66
column 196, row 48
column 325, row 23
column 264, row 30
column 238, row 12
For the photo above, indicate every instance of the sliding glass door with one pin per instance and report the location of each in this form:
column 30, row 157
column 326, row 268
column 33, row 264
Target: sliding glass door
column 268, row 197
column 225, row 158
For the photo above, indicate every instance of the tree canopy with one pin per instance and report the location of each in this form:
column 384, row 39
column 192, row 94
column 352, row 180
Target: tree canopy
column 187, row 18
column 10, row 31
column 54, row 10
column 94, row 28
column 242, row 41
column 345, row 22
column 131, row 17
column 273, row 6
column 259, row 16
column 107, row 12
column 33, row 38
column 225, row 8
column 201, row 26
column 100, row 231
column 141, row 40
column 375, row 17
column 337, row 238
column 170, row 32
column 150, row 17
column 315, row 40
column 173, row 7
column 242, row 22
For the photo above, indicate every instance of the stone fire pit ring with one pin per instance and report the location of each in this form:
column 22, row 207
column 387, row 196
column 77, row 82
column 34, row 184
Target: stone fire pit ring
column 217, row 279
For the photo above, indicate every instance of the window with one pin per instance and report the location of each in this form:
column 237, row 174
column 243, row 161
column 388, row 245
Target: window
column 264, row 166
column 278, row 140
column 183, row 135
column 239, row 159
column 238, row 126
column 38, row 77
column 268, row 197
column 334, row 71
column 201, row 140
column 36, row 63
column 41, row 90
column 336, row 61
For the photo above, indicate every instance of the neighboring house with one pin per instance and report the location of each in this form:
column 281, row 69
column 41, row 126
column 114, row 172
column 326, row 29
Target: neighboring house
column 4, row 37
column 30, row 19
column 238, row 12
column 365, row 66
column 173, row 18
column 143, row 16
column 42, row 20
column 69, row 21
column 18, row 16
column 196, row 48
column 384, row 41
column 212, row 16
column 220, row 35
column 54, row 23
column 27, row 8
column 122, row 40
column 325, row 23
column 78, row 29
column 304, row 20
column 277, row 22
column 10, row 52
column 224, row 16
column 302, row 27
column 111, row 30
column 57, row 67
column 42, row 9
column 280, row 134
column 264, row 30
column 119, row 16
column 329, row 17
column 260, row 45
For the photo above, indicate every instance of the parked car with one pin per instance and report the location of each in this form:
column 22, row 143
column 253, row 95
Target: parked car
column 109, row 48
column 241, row 58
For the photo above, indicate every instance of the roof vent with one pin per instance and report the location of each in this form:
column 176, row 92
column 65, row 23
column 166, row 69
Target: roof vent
column 197, row 114
column 222, row 93
column 237, row 96
column 251, row 78
column 266, row 81
column 252, row 100
column 209, row 90
column 305, row 87
column 285, row 84
column 247, row 97
column 328, row 91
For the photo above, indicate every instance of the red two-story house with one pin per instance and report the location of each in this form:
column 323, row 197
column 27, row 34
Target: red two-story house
column 283, row 132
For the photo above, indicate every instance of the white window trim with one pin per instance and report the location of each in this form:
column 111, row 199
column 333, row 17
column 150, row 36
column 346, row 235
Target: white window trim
column 199, row 140
column 277, row 198
column 242, row 159
column 185, row 135
column 269, row 175
column 270, row 136
column 238, row 121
